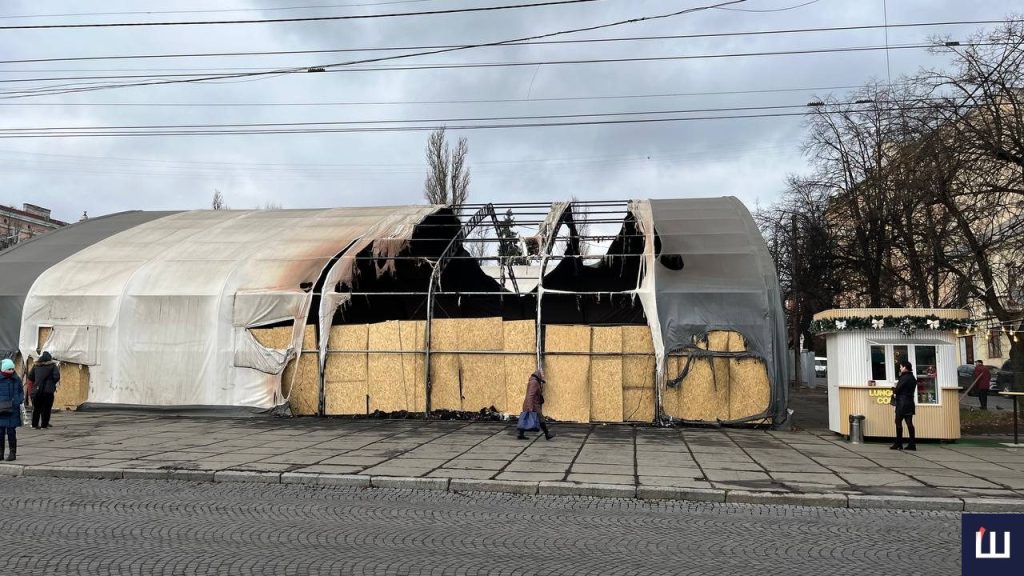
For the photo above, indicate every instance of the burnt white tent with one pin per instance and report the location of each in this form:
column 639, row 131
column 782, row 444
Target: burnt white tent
column 167, row 309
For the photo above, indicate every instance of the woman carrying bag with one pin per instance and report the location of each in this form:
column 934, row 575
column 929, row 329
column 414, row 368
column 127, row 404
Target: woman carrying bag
column 532, row 417
column 12, row 397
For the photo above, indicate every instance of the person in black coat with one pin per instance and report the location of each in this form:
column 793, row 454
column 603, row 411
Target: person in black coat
column 42, row 380
column 906, row 389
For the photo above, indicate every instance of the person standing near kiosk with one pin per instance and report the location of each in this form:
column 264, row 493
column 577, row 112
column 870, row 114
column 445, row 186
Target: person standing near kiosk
column 903, row 398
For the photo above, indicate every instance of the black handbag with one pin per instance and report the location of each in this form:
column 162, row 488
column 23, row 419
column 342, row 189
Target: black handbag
column 6, row 407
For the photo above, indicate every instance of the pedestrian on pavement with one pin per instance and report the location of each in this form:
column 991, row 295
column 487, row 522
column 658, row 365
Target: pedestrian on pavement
column 43, row 379
column 906, row 389
column 982, row 382
column 12, row 396
column 532, row 417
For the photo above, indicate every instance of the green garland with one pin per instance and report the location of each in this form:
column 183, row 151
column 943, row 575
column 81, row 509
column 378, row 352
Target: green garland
column 907, row 325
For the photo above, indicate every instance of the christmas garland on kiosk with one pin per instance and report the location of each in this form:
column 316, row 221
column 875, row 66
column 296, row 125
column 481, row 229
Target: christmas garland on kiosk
column 907, row 325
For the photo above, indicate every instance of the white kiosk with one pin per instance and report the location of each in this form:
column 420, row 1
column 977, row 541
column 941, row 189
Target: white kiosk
column 865, row 346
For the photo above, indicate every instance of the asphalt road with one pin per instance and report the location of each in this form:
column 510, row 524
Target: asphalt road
column 61, row 526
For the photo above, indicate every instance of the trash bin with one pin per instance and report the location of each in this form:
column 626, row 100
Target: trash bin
column 857, row 428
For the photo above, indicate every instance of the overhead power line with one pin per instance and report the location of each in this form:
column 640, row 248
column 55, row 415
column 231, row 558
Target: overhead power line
column 304, row 19
column 523, row 43
column 214, row 11
column 400, row 56
column 457, row 66
column 427, row 102
column 345, row 126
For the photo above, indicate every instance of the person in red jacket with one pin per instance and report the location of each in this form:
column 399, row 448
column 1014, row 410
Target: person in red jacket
column 982, row 383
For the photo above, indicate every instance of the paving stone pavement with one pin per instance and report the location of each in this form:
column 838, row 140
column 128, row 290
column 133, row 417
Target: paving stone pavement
column 102, row 527
column 747, row 460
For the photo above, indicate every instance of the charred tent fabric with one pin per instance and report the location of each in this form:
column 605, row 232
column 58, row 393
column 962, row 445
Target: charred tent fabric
column 715, row 274
column 162, row 313
column 24, row 262
column 640, row 311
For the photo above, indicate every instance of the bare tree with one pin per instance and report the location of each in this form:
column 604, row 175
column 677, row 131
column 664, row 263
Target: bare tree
column 581, row 217
column 447, row 180
column 218, row 201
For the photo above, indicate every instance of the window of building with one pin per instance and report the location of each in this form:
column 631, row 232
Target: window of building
column 885, row 368
column 995, row 344
column 925, row 369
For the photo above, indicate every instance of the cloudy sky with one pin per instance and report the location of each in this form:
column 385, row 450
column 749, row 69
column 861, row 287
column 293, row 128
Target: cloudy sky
column 748, row 158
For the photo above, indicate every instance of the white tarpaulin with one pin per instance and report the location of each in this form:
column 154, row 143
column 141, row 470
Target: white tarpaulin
column 161, row 312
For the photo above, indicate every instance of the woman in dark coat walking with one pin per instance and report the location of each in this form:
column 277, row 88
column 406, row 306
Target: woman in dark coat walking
column 12, row 396
column 42, row 381
column 532, row 416
column 906, row 389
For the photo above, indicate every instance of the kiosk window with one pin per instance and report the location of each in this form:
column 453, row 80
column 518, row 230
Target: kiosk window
column 878, row 363
column 925, row 370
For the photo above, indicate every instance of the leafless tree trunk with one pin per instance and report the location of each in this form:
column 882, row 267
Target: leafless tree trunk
column 448, row 177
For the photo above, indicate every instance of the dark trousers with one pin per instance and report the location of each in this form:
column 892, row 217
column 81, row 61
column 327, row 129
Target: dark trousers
column 42, row 404
column 910, row 428
column 11, row 435
column 983, row 398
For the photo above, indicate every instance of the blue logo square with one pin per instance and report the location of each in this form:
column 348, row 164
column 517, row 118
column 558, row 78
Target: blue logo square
column 992, row 544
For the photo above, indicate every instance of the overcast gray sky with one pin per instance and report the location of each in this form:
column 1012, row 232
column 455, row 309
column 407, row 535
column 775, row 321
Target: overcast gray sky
column 748, row 158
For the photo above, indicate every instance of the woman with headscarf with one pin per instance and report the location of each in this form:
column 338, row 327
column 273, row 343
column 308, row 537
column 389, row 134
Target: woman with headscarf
column 12, row 396
column 532, row 417
column 42, row 381
column 906, row 389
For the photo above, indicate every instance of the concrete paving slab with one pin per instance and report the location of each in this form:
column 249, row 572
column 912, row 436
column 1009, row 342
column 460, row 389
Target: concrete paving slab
column 601, row 478
column 674, row 482
column 733, row 475
column 530, row 476
column 583, row 468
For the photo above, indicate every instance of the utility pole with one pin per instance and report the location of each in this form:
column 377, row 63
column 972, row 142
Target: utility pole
column 795, row 291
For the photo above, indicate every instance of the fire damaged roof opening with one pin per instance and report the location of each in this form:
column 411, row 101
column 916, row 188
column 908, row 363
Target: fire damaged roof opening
column 158, row 290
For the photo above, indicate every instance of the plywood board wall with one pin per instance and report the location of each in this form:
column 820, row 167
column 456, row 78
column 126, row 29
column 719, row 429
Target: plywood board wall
column 345, row 374
column 567, row 392
column 300, row 381
column 519, row 336
column 73, row 390
column 386, row 385
column 444, row 367
column 637, row 375
column 751, row 392
column 482, row 385
column 413, row 337
column 606, row 375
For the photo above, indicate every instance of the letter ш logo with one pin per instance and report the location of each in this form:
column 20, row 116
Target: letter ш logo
column 988, row 542
column 992, row 552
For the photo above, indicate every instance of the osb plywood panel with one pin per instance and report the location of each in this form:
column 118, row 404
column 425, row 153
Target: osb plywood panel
column 737, row 343
column 482, row 385
column 280, row 337
column 567, row 392
column 41, row 337
column 606, row 375
column 718, row 341
column 695, row 398
column 345, row 366
column 750, row 393
column 345, row 386
column 300, row 381
column 385, row 374
column 413, row 338
column 73, row 390
column 444, row 368
column 520, row 336
column 637, row 375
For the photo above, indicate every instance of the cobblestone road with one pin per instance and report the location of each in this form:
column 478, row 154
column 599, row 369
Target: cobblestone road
column 62, row 526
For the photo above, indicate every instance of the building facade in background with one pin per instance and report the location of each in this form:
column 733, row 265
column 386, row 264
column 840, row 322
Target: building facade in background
column 31, row 220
